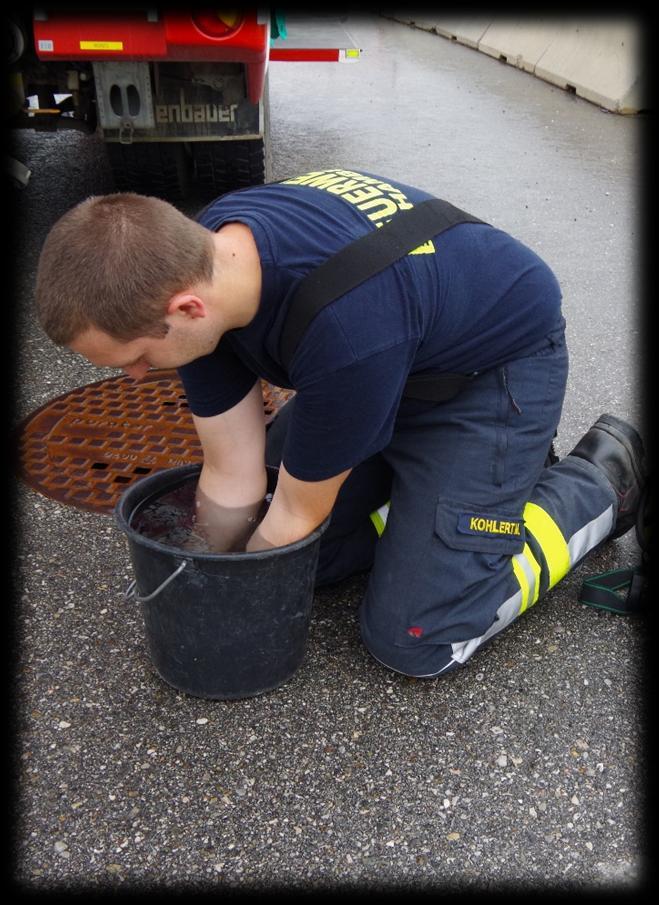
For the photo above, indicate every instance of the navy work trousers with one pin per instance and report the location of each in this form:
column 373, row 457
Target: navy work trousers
column 460, row 523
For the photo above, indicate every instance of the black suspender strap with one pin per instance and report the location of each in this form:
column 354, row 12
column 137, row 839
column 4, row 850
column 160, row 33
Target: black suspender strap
column 362, row 259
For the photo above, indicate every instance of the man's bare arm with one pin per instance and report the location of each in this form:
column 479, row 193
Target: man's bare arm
column 232, row 484
column 297, row 508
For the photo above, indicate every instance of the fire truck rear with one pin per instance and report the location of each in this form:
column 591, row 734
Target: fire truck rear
column 178, row 97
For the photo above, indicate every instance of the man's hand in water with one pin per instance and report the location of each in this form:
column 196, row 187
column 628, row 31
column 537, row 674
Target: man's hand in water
column 233, row 480
column 297, row 509
column 225, row 529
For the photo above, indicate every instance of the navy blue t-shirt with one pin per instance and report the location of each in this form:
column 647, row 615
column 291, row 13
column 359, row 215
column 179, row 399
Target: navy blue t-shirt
column 471, row 299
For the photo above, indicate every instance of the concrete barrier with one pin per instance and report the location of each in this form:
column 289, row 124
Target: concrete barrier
column 467, row 30
column 600, row 60
column 521, row 44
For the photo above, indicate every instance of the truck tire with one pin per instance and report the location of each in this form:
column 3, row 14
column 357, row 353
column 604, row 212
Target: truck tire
column 223, row 166
column 150, row 168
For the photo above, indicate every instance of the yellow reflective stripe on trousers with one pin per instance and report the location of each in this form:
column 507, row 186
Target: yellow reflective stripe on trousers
column 379, row 518
column 552, row 543
column 527, row 573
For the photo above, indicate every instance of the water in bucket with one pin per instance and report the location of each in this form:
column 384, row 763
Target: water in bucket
column 171, row 519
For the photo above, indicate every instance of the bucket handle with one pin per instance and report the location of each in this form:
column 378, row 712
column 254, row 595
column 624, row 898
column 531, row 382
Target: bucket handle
column 131, row 593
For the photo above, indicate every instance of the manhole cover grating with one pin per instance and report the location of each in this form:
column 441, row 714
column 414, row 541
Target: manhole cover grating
column 86, row 447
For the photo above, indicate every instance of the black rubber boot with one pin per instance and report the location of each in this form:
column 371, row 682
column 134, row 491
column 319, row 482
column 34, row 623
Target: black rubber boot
column 617, row 450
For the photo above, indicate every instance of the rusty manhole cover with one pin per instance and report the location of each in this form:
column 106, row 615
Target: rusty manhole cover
column 86, row 447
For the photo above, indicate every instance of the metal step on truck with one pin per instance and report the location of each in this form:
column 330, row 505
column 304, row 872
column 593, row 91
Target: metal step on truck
column 180, row 98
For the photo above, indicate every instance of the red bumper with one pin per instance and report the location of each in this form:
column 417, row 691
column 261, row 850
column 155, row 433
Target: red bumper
column 174, row 36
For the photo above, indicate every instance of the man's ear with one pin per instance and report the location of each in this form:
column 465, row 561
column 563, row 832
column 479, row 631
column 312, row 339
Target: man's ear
column 187, row 304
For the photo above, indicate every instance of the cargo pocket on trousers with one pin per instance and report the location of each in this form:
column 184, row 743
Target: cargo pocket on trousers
column 488, row 530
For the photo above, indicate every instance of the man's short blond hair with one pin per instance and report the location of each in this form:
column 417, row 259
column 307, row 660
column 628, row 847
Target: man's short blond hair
column 113, row 262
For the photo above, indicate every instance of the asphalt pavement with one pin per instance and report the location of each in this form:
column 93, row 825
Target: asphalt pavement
column 526, row 769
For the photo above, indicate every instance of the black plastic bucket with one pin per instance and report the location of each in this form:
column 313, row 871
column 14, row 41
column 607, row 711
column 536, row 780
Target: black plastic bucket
column 220, row 626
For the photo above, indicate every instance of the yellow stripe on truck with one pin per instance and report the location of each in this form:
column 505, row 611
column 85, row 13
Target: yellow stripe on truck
column 101, row 45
